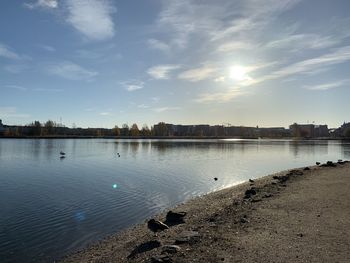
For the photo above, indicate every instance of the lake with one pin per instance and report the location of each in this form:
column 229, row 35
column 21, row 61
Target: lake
column 51, row 205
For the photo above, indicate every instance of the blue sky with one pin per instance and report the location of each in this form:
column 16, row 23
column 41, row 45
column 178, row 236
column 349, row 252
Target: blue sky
column 100, row 63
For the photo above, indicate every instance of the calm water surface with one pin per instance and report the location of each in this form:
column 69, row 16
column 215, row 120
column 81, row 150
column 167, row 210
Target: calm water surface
column 50, row 206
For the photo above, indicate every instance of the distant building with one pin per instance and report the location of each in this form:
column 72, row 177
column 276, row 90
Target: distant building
column 309, row 130
column 342, row 131
column 2, row 128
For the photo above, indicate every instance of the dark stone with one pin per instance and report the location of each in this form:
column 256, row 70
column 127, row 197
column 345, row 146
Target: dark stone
column 249, row 193
column 296, row 172
column 329, row 164
column 251, row 181
column 268, row 195
column 187, row 237
column 155, row 225
column 171, row 249
column 161, row 259
column 147, row 246
column 174, row 218
column 307, row 169
column 255, row 200
column 244, row 220
column 318, row 163
column 215, row 178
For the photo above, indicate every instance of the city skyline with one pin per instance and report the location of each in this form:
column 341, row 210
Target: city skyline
column 104, row 63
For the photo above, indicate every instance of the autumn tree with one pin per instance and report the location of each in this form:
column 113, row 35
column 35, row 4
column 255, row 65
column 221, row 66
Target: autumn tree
column 116, row 131
column 145, row 130
column 134, row 130
column 124, row 130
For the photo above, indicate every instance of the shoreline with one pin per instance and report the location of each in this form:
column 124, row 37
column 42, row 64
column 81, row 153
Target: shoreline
column 178, row 138
column 236, row 225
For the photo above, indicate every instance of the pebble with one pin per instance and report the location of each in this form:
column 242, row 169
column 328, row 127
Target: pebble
column 187, row 237
column 161, row 259
column 170, row 249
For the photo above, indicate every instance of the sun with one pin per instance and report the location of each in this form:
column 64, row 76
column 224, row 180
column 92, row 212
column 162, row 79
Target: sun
column 239, row 73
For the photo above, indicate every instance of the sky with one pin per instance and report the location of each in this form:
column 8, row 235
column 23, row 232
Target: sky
column 101, row 63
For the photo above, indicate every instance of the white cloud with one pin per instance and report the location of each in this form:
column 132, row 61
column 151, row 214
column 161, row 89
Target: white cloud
column 143, row 106
column 162, row 71
column 133, row 85
column 309, row 66
column 234, row 46
column 163, row 109
column 105, row 113
column 42, row 4
column 15, row 68
column 327, row 86
column 47, row 48
column 72, row 71
column 92, row 18
column 47, row 90
column 16, row 87
column 6, row 52
column 219, row 97
column 296, row 42
column 217, row 21
column 198, row 74
column 157, row 44
column 11, row 112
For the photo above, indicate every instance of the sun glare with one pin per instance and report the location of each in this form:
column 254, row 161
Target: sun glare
column 239, row 73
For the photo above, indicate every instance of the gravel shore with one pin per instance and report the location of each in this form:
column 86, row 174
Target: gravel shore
column 300, row 215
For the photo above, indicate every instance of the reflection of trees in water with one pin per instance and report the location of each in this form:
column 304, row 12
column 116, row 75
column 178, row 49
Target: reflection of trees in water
column 308, row 147
column 345, row 147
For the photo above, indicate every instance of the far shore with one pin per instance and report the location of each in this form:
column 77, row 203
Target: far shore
column 171, row 137
column 299, row 215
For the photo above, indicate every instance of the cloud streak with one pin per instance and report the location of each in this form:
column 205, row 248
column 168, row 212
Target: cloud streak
column 6, row 52
column 327, row 86
column 219, row 97
column 198, row 74
column 133, row 85
column 72, row 71
column 308, row 66
column 42, row 4
column 162, row 71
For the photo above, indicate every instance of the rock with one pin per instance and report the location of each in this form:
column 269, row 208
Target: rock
column 144, row 247
column 318, row 163
column 251, row 181
column 329, row 164
column 171, row 249
column 249, row 193
column 307, row 169
column 175, row 217
column 268, row 195
column 155, row 225
column 161, row 259
column 215, row 178
column 244, row 220
column 300, row 235
column 187, row 237
column 296, row 172
column 255, row 200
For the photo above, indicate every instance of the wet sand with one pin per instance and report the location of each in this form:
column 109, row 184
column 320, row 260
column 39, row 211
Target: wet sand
column 292, row 216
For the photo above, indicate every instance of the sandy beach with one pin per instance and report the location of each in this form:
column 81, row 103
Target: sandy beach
column 299, row 215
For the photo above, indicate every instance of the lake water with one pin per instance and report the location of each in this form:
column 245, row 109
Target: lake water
column 51, row 206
